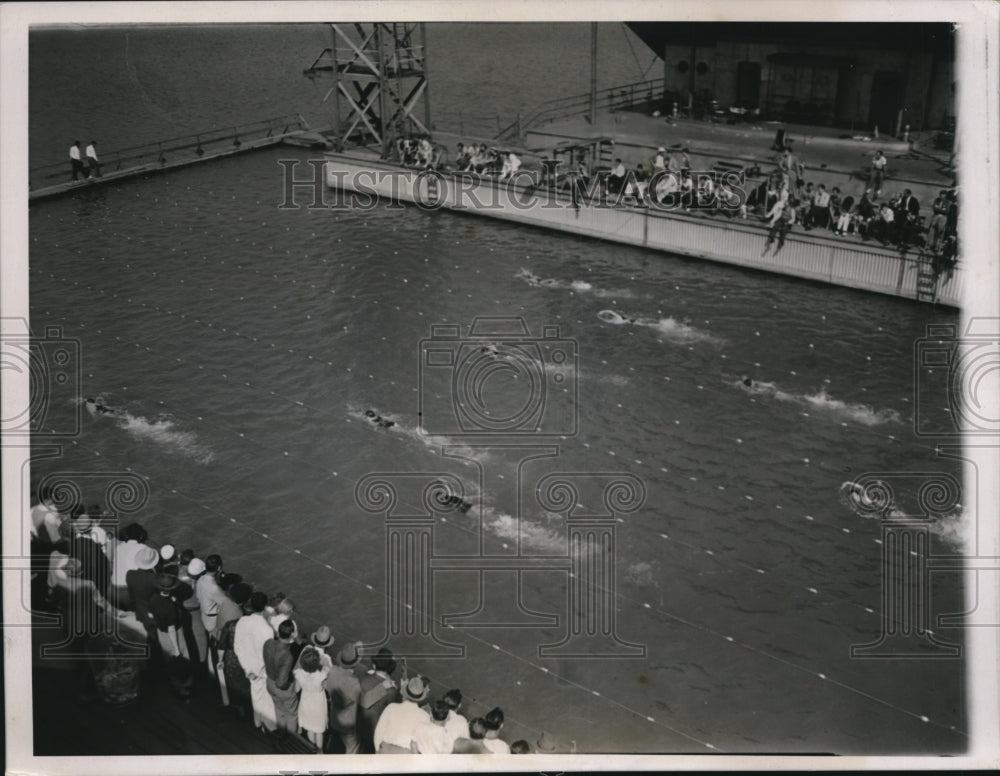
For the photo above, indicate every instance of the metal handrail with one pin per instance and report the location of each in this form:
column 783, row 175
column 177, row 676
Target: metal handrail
column 614, row 97
column 156, row 152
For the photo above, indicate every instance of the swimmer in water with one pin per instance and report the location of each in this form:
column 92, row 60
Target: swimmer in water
column 97, row 407
column 747, row 381
column 378, row 420
column 610, row 316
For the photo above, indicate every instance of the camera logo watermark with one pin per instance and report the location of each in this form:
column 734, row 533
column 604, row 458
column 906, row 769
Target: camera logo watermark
column 498, row 380
column 51, row 365
column 957, row 380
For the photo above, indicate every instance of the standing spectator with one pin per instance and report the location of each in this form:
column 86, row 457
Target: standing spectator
column 458, row 726
column 209, row 593
column 492, row 740
column 790, row 165
column 909, row 222
column 75, row 161
column 229, row 609
column 432, row 736
column 616, row 178
column 323, row 640
column 142, row 584
column 163, row 610
column 252, row 630
column 378, row 690
column 309, row 677
column 935, row 232
column 660, row 161
column 278, row 663
column 344, row 691
column 395, row 727
column 474, row 743
column 283, row 610
column 819, row 212
column 168, row 560
column 233, row 682
column 93, row 165
column 132, row 539
column 191, row 572
column 877, row 175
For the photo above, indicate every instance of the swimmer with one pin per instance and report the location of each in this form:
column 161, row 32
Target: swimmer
column 97, row 407
column 610, row 316
column 747, row 381
column 378, row 420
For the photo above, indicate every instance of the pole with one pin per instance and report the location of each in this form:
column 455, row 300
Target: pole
column 383, row 91
column 593, row 73
column 427, row 89
column 336, row 86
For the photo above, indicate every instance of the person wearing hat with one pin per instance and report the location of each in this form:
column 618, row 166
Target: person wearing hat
column 474, row 744
column 252, row 630
column 168, row 560
column 660, row 160
column 344, row 691
column 141, row 583
column 322, row 639
column 194, row 626
column 395, row 727
column 166, row 618
column 378, row 690
column 132, row 541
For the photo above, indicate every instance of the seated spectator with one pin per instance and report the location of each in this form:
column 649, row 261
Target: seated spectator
column 616, row 178
column 492, row 740
column 706, row 191
column 863, row 214
column 462, row 158
column 667, row 189
column 728, row 201
column 845, row 221
column 474, row 744
column 432, row 736
column 395, row 727
column 882, row 226
column 636, row 184
column 660, row 161
column 511, row 164
column 520, row 747
column 835, row 198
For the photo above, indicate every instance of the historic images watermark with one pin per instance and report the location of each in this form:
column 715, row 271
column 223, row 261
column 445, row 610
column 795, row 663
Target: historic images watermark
column 315, row 185
column 956, row 387
column 62, row 562
column 508, row 398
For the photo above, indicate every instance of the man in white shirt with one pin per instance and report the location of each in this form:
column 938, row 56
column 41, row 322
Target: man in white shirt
column 492, row 741
column 456, row 724
column 432, row 737
column 660, row 160
column 94, row 166
column 75, row 161
column 396, row 726
column 252, row 631
column 210, row 595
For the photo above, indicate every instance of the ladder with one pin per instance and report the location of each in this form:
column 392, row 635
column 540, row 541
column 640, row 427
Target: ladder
column 926, row 279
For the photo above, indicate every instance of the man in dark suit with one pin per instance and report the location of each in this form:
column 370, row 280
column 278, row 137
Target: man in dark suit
column 909, row 208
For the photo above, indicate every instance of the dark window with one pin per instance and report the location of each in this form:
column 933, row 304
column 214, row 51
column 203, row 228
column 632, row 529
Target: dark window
column 702, row 68
column 683, row 66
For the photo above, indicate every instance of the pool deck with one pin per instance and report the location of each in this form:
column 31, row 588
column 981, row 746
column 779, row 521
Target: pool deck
column 828, row 156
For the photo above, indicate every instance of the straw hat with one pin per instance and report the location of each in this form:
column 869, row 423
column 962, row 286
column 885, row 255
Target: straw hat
column 322, row 637
column 146, row 558
column 196, row 567
column 416, row 689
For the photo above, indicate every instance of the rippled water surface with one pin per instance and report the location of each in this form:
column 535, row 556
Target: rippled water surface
column 242, row 344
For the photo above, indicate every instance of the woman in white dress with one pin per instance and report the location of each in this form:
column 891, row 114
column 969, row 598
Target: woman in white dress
column 309, row 676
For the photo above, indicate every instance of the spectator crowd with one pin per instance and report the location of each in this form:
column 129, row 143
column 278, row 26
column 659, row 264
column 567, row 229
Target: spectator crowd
column 196, row 617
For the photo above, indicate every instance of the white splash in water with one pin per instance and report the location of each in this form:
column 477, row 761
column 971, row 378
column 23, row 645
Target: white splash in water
column 164, row 432
column 577, row 286
column 857, row 412
column 668, row 328
column 433, row 442
column 532, row 535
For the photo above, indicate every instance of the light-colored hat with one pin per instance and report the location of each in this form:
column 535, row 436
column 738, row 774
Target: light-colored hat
column 416, row 689
column 545, row 743
column 322, row 637
column 196, row 567
column 349, row 655
column 146, row 558
column 167, row 552
column 662, row 150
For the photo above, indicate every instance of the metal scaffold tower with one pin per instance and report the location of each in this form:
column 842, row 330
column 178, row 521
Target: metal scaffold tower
column 380, row 76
